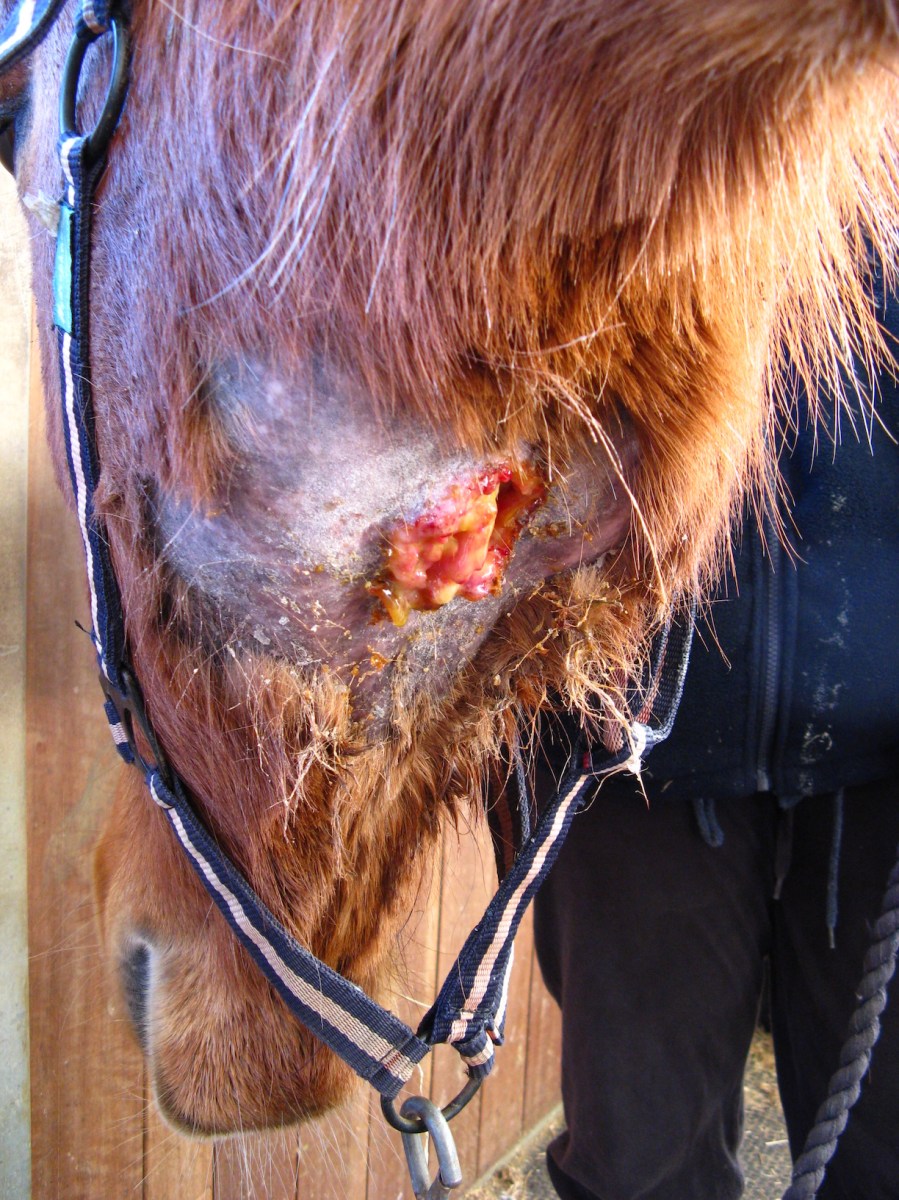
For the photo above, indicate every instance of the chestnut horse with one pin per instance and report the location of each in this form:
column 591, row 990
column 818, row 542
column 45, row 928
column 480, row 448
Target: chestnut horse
column 435, row 343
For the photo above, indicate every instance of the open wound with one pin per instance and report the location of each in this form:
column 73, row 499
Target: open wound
column 458, row 546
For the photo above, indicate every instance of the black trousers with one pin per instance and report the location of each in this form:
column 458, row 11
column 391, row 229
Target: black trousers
column 653, row 942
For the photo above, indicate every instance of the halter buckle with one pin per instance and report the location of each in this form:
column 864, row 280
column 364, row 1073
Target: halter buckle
column 128, row 703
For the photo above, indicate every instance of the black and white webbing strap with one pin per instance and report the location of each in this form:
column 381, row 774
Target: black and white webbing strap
column 26, row 28
column 469, row 1011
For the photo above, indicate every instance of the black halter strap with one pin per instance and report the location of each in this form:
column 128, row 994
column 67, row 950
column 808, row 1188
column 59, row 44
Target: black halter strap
column 27, row 26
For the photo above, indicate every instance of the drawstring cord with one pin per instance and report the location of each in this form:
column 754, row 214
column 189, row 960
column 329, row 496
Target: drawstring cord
column 783, row 848
column 783, row 857
column 709, row 825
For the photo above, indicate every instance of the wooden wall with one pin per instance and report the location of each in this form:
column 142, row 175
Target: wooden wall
column 14, row 326
column 95, row 1133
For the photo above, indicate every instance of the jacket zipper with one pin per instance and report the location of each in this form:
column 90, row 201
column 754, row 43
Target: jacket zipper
column 771, row 658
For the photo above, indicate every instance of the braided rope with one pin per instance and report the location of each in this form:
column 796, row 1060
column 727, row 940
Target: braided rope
column 855, row 1056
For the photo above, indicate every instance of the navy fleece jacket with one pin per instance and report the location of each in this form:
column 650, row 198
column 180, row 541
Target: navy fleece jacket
column 808, row 700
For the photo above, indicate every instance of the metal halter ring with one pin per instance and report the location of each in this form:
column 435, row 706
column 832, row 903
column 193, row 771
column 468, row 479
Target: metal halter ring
column 415, row 1124
column 97, row 140
column 449, row 1173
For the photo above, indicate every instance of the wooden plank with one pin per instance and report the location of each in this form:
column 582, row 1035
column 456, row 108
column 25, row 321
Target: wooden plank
column 322, row 1160
column 258, row 1167
column 174, row 1166
column 87, row 1077
column 388, row 1177
column 333, row 1152
column 502, row 1107
column 542, row 1090
column 468, row 882
column 409, row 994
column 15, row 326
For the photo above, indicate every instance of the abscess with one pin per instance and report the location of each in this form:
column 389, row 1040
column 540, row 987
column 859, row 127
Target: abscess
column 459, row 546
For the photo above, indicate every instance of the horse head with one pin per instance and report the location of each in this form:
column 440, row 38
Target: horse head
column 434, row 347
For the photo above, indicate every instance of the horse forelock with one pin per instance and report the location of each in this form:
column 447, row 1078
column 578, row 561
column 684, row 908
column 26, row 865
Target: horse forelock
column 438, row 199
column 432, row 197
column 439, row 191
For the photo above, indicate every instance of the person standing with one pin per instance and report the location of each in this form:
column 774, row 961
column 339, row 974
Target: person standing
column 768, row 828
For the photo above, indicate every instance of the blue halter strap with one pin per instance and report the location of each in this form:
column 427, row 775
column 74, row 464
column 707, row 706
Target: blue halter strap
column 26, row 27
